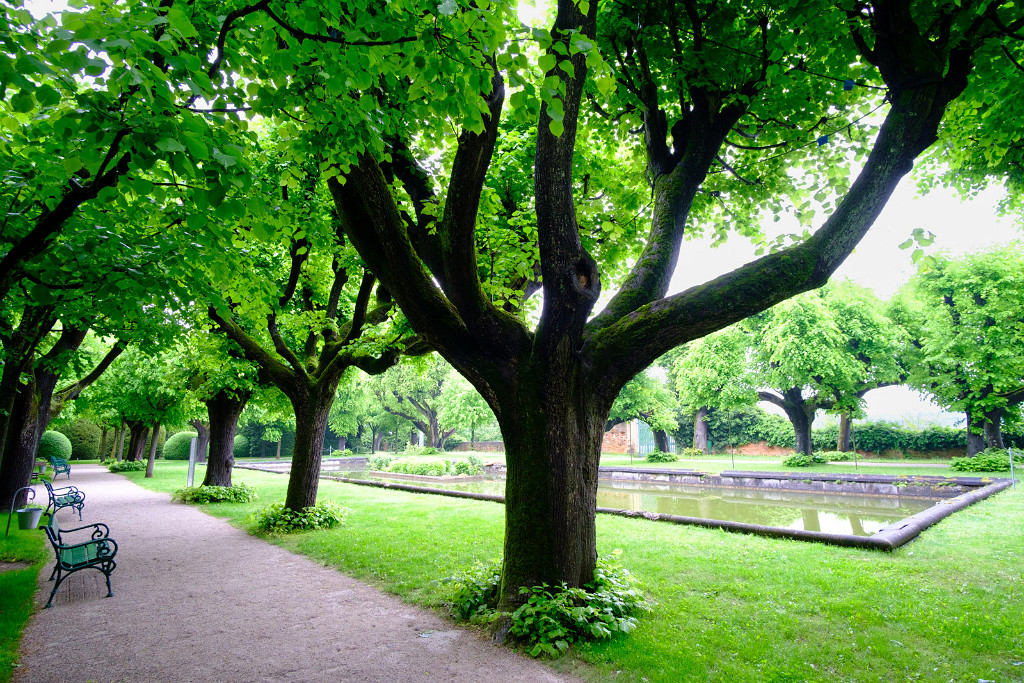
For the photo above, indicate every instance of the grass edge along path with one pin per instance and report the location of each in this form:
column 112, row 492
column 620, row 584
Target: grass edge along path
column 17, row 588
column 727, row 607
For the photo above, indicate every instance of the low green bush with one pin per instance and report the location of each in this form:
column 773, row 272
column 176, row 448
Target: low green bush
column 433, row 467
column 834, row 456
column 803, row 460
column 430, row 450
column 54, row 445
column 660, row 456
column 277, row 519
column 693, row 453
column 177, row 447
column 237, row 493
column 989, row 460
column 553, row 619
column 380, row 462
column 239, row 449
column 127, row 466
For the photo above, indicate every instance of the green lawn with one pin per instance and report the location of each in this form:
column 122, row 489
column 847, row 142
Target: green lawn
column 22, row 554
column 727, row 607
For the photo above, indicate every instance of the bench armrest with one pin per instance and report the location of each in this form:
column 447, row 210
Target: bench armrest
column 99, row 530
column 68, row 491
column 106, row 547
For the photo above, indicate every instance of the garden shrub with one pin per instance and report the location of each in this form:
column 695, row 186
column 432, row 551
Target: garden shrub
column 237, row 493
column 430, row 450
column 85, row 439
column 693, row 453
column 834, row 456
column 804, row 460
column 127, row 466
column 380, row 462
column 660, row 456
column 989, row 460
column 177, row 447
column 434, row 467
column 239, row 448
column 54, row 445
column 277, row 519
column 552, row 620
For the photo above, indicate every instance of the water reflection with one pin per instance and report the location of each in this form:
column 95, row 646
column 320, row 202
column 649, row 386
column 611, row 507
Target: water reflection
column 830, row 513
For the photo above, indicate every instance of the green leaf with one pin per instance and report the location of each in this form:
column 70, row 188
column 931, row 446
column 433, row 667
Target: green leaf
column 169, row 145
column 22, row 102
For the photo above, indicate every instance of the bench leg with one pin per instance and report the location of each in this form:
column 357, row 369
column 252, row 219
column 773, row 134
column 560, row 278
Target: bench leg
column 54, row 591
column 106, row 571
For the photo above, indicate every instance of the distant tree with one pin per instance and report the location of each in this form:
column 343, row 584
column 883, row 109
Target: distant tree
column 412, row 391
column 646, row 397
column 823, row 351
column 463, row 408
column 966, row 319
column 713, row 373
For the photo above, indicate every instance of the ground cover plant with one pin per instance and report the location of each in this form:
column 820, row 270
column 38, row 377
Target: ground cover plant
column 238, row 493
column 989, row 460
column 22, row 553
column 726, row 607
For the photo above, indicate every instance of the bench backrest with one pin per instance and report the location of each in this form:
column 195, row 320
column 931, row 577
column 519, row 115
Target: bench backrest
column 52, row 529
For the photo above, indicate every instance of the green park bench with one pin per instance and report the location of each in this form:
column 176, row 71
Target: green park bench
column 60, row 465
column 67, row 497
column 95, row 553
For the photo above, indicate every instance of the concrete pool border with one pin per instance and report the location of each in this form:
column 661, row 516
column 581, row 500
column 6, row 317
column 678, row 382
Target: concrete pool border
column 887, row 539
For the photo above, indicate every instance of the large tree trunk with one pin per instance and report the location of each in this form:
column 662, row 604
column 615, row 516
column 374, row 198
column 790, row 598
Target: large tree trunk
column 375, row 444
column 121, row 433
column 224, row 409
column 137, row 443
column 20, row 448
column 202, row 439
column 975, row 438
column 993, row 428
column 151, row 462
column 801, row 415
column 311, row 412
column 553, row 436
column 103, row 444
column 661, row 440
column 843, row 440
column 700, row 430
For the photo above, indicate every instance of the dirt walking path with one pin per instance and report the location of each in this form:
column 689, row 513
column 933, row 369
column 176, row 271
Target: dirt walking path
column 196, row 599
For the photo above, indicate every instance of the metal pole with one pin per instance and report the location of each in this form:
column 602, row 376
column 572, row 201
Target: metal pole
column 31, row 491
column 191, row 461
column 1012, row 476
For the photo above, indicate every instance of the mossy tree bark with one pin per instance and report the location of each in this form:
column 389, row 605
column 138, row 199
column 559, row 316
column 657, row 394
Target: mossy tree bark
column 551, row 388
column 224, row 408
column 700, row 430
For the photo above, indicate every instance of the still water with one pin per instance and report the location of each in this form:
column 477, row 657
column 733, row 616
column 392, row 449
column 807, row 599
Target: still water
column 831, row 513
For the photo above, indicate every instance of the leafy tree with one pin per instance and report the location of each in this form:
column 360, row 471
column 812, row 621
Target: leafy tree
column 967, row 320
column 306, row 323
column 462, row 407
column 646, row 398
column 223, row 381
column 823, row 351
column 713, row 372
column 412, row 391
column 731, row 100
column 350, row 406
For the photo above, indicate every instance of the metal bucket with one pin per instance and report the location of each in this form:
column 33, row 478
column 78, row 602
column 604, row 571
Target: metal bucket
column 28, row 518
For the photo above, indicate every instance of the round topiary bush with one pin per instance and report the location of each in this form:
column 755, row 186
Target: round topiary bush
column 85, row 439
column 177, row 447
column 54, row 445
column 240, row 449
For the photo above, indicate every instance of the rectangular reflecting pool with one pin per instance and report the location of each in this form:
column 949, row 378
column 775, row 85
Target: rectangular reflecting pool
column 833, row 513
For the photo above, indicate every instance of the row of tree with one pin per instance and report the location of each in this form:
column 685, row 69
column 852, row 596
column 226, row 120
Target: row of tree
column 285, row 178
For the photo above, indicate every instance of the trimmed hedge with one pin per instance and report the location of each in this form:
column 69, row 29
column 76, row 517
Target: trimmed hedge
column 54, row 445
column 240, row 449
column 177, row 446
column 85, row 439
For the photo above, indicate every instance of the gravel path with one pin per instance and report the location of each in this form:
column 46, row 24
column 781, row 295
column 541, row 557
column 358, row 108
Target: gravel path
column 196, row 599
